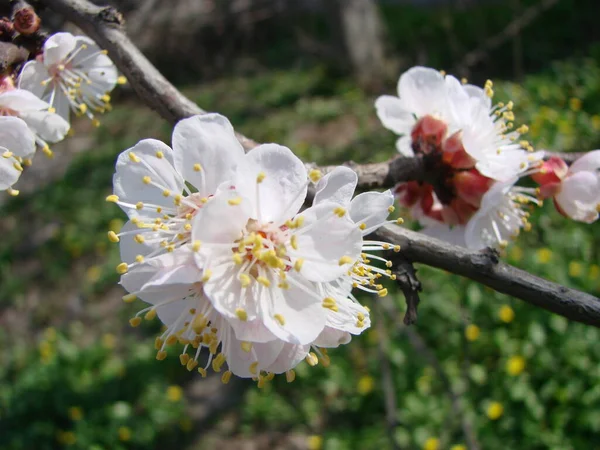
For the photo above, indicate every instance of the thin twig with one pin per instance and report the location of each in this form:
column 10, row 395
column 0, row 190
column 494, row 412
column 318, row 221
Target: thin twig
column 486, row 268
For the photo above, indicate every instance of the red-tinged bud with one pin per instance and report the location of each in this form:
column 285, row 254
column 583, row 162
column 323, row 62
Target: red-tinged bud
column 408, row 194
column 7, row 30
column 470, row 185
column 549, row 189
column 463, row 210
column 552, row 171
column 454, row 153
column 26, row 21
column 427, row 134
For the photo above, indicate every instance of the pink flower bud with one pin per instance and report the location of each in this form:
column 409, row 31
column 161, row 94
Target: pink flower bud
column 408, row 194
column 552, row 171
column 427, row 134
column 470, row 186
column 454, row 153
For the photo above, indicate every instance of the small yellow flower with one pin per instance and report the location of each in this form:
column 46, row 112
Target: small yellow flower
column 109, row 341
column 515, row 365
column 472, row 332
column 124, row 434
column 174, row 393
column 365, row 385
column 575, row 104
column 495, row 410
column 93, row 274
column 431, row 444
column 544, row 255
column 458, row 447
column 506, row 314
column 575, row 269
column 314, row 442
column 75, row 413
column 516, row 253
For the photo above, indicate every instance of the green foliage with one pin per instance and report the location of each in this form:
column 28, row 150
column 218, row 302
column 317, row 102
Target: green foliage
column 87, row 395
column 534, row 373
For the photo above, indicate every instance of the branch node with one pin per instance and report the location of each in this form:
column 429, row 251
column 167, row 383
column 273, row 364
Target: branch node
column 111, row 17
column 406, row 277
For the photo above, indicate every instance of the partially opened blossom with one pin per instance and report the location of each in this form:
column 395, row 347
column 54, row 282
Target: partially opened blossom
column 47, row 127
column 576, row 189
column 434, row 113
column 216, row 243
column 17, row 143
column 73, row 75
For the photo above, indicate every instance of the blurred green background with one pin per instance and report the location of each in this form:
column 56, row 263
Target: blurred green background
column 477, row 367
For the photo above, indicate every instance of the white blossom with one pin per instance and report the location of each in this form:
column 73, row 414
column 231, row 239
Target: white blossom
column 216, row 243
column 17, row 143
column 72, row 74
column 471, row 122
column 46, row 126
column 578, row 195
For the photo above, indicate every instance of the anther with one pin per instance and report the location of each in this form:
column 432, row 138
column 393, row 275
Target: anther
column 345, row 260
column 206, row 276
column 150, row 315
column 241, row 314
column 315, row 175
column 290, row 375
column 161, row 355
column 135, row 321
column 235, row 201
column 122, row 268
column 133, row 157
column 112, row 237
column 279, row 318
column 312, row 359
column 246, row 346
column 226, row 377
column 129, row 298
column 112, row 198
column 260, row 177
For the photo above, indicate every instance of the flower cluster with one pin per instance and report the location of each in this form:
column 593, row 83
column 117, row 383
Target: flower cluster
column 474, row 153
column 217, row 246
column 69, row 74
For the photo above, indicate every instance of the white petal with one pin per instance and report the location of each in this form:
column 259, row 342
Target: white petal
column 225, row 292
column 590, row 162
column 372, row 209
column 282, row 191
column 49, row 126
column 57, row 48
column 289, row 357
column 221, row 220
column 337, row 186
column 21, row 100
column 16, row 137
column 176, row 267
column 8, row 174
column 128, row 180
column 580, row 195
column 393, row 115
column 327, row 238
column 208, row 140
column 423, row 91
column 303, row 316
column 332, row 338
column 31, row 77
column 129, row 248
column 239, row 361
column 133, row 281
column 404, row 146
column 478, row 93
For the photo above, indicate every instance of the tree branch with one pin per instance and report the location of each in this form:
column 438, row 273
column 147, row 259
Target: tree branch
column 486, row 268
column 105, row 26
